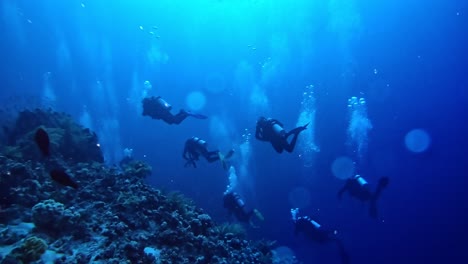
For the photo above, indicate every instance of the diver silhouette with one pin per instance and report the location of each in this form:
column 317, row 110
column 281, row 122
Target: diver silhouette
column 358, row 188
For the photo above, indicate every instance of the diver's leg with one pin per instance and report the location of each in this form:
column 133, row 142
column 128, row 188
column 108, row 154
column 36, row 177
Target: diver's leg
column 296, row 130
column 277, row 146
column 289, row 147
column 212, row 156
column 179, row 117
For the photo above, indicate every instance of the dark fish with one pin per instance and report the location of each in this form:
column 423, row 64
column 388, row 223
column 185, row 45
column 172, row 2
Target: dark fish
column 42, row 140
column 63, row 178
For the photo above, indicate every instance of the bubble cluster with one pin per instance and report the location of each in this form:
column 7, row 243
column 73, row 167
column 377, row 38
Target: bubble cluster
column 306, row 145
column 359, row 125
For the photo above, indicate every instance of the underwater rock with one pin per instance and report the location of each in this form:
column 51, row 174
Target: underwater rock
column 136, row 168
column 31, row 250
column 114, row 215
column 52, row 215
column 13, row 233
column 71, row 140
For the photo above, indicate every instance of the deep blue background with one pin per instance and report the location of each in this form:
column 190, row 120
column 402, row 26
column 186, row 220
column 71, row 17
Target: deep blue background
column 417, row 47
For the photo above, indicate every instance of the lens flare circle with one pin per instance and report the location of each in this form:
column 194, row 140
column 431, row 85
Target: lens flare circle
column 417, row 140
column 196, row 100
column 343, row 168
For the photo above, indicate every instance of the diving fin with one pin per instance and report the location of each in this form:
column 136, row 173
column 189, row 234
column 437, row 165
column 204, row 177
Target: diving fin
column 197, row 116
column 223, row 160
column 383, row 182
column 229, row 154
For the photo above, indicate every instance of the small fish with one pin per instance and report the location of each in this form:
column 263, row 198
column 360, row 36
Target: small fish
column 43, row 142
column 63, row 178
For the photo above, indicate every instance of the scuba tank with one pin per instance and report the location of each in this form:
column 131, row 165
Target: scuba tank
column 200, row 142
column 163, row 103
column 276, row 126
column 239, row 201
column 317, row 225
column 360, row 180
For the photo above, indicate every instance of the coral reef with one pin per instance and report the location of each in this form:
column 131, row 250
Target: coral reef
column 30, row 250
column 114, row 217
column 68, row 139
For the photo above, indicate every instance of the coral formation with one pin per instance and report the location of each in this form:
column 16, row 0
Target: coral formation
column 114, row 217
column 68, row 139
column 30, row 250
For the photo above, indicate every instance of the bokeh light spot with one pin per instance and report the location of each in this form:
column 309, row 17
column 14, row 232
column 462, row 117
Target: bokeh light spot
column 343, row 168
column 196, row 100
column 417, row 140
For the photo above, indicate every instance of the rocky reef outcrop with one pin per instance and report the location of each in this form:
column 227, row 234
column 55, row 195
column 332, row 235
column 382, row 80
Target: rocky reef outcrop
column 113, row 217
column 69, row 141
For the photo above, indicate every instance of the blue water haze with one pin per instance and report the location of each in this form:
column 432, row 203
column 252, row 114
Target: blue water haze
column 248, row 58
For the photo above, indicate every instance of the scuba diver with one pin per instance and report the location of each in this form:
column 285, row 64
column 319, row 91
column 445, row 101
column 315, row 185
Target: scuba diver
column 158, row 108
column 314, row 231
column 194, row 147
column 234, row 203
column 358, row 187
column 271, row 130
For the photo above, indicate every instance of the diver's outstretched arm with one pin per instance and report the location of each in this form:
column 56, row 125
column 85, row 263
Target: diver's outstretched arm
column 259, row 133
column 185, row 153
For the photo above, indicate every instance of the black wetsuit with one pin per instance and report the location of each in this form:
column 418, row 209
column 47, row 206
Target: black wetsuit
column 158, row 108
column 194, row 147
column 314, row 231
column 236, row 206
column 271, row 130
column 358, row 187
column 311, row 229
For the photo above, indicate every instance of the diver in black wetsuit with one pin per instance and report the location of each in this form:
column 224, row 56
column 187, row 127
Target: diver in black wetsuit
column 194, row 147
column 358, row 187
column 271, row 130
column 236, row 206
column 314, row 231
column 158, row 108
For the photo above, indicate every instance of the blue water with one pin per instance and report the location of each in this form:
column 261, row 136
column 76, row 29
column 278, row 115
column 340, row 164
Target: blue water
column 248, row 58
